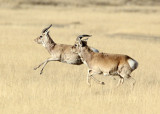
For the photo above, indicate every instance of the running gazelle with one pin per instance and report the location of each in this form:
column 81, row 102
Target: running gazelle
column 104, row 63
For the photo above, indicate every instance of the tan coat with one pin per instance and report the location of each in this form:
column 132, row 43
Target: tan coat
column 104, row 63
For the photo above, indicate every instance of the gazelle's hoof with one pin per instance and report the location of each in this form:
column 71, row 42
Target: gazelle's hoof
column 41, row 73
column 102, row 83
column 89, row 85
column 34, row 68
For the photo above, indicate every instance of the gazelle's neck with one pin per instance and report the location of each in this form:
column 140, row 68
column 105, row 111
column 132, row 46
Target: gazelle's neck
column 49, row 43
column 86, row 54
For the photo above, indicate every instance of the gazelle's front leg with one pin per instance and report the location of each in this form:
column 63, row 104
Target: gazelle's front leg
column 45, row 62
column 50, row 59
column 39, row 65
column 90, row 75
column 89, row 78
column 99, row 82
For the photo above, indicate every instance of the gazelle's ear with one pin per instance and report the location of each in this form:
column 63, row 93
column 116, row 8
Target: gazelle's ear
column 46, row 29
column 83, row 43
column 85, row 39
column 46, row 32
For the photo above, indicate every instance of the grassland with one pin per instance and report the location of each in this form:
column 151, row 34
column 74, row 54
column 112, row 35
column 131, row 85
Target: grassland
column 62, row 88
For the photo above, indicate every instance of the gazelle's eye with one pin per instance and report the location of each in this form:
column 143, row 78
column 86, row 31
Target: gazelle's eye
column 75, row 45
column 40, row 36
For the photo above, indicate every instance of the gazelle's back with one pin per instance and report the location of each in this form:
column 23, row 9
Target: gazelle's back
column 106, row 61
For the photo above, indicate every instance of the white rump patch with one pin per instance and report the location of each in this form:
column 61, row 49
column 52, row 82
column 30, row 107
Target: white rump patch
column 132, row 63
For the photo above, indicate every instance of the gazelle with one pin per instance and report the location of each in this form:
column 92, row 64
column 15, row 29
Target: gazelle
column 104, row 63
column 59, row 52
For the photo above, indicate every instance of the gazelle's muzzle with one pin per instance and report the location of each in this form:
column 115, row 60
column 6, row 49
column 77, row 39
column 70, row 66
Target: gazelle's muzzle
column 37, row 40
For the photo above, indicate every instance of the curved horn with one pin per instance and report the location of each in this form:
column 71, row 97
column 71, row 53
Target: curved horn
column 44, row 30
column 81, row 36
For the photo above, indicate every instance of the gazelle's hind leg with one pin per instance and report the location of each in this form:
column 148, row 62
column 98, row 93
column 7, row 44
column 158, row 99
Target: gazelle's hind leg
column 121, row 81
column 133, row 81
column 123, row 73
column 128, row 77
column 90, row 75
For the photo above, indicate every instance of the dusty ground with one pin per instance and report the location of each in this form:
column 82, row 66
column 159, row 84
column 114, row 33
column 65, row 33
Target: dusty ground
column 62, row 88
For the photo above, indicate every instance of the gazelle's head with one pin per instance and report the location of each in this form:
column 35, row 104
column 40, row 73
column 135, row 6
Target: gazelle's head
column 44, row 37
column 80, row 43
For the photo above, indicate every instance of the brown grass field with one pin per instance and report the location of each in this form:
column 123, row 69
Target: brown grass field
column 62, row 88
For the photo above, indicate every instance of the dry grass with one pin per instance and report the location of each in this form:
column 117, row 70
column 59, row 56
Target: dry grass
column 62, row 88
